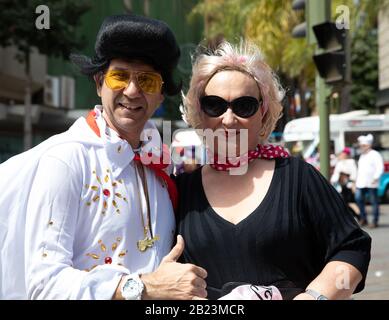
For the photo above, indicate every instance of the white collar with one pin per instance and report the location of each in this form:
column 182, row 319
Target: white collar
column 119, row 151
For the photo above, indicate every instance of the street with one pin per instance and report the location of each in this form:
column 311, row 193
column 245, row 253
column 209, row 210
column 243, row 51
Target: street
column 377, row 282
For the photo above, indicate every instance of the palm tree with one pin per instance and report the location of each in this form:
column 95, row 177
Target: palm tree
column 269, row 24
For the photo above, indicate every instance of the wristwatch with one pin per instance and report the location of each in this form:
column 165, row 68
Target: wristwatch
column 132, row 288
column 315, row 294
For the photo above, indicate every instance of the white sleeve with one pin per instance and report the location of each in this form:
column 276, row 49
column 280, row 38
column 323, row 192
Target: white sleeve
column 52, row 218
column 379, row 166
column 354, row 170
column 335, row 176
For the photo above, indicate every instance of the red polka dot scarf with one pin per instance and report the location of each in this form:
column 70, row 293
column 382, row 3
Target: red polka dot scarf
column 267, row 151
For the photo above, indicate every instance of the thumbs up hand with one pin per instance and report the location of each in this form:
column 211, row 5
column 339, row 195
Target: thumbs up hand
column 176, row 252
column 173, row 280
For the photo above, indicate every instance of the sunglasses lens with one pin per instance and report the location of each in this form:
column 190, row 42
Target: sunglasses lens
column 213, row 106
column 117, row 79
column 245, row 107
column 149, row 82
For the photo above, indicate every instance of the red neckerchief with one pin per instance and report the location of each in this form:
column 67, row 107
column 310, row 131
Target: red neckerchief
column 267, row 151
column 156, row 167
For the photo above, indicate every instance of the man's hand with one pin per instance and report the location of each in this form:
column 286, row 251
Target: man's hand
column 173, row 280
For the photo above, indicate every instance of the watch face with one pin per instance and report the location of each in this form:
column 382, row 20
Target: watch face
column 132, row 290
column 322, row 298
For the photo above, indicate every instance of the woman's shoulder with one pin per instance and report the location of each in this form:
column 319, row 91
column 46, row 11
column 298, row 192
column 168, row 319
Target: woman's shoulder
column 292, row 163
column 297, row 169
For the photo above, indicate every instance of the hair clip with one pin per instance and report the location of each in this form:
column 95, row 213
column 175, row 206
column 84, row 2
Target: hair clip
column 242, row 59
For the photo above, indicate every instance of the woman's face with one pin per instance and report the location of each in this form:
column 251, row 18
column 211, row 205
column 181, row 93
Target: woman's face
column 231, row 138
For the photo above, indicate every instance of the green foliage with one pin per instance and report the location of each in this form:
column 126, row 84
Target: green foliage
column 269, row 25
column 227, row 17
column 364, row 60
column 17, row 27
column 363, row 13
column 370, row 8
column 364, row 50
column 266, row 23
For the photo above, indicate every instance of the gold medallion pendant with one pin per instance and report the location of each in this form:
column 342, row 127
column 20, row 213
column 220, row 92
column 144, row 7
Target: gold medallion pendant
column 146, row 243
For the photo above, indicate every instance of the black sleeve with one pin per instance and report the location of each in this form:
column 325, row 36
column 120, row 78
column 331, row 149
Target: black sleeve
column 180, row 181
column 338, row 235
column 176, row 181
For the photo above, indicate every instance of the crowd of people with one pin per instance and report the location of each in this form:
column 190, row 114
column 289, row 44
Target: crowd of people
column 358, row 182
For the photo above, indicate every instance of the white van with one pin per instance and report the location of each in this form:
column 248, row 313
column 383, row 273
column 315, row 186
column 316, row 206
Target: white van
column 301, row 136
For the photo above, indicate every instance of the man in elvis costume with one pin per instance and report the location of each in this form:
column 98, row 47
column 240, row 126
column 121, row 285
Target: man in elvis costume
column 89, row 213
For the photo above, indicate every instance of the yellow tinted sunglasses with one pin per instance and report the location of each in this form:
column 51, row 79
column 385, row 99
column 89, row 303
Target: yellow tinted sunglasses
column 148, row 82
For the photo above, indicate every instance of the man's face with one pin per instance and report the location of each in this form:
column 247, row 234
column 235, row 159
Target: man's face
column 364, row 147
column 126, row 110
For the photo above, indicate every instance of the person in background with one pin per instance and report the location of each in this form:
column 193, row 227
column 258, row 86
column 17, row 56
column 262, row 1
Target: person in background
column 253, row 214
column 343, row 179
column 370, row 169
column 187, row 161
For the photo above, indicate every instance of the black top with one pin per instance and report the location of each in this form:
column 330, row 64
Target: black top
column 301, row 225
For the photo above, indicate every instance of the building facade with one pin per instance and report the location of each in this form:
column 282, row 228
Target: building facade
column 60, row 94
column 383, row 47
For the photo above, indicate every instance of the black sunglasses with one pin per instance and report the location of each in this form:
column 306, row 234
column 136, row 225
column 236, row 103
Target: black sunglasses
column 215, row 106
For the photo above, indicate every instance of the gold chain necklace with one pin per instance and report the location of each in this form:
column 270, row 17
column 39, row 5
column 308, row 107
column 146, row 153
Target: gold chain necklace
column 147, row 242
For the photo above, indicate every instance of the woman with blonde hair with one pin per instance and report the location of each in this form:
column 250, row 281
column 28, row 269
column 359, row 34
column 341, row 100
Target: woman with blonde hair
column 253, row 214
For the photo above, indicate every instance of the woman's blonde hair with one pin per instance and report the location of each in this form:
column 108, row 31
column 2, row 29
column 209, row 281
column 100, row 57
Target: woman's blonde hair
column 245, row 57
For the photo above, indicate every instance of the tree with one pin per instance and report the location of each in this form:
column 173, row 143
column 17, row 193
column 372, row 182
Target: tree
column 364, row 60
column 51, row 29
column 364, row 56
column 225, row 17
column 268, row 24
column 364, row 51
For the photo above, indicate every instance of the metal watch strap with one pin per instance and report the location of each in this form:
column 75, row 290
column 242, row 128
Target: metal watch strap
column 139, row 284
column 315, row 294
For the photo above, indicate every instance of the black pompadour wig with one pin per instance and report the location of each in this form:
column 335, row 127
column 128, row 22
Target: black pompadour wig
column 134, row 38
